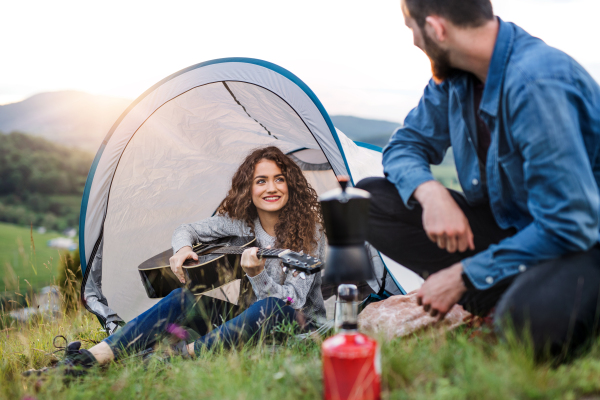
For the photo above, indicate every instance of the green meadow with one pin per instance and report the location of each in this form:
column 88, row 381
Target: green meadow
column 26, row 262
column 463, row 364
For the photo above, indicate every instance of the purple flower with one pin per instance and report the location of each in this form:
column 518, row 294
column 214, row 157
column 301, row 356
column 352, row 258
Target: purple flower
column 177, row 331
column 289, row 301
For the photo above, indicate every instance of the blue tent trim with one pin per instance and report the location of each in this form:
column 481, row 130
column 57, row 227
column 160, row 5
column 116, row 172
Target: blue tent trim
column 369, row 146
column 84, row 204
column 402, row 290
column 274, row 67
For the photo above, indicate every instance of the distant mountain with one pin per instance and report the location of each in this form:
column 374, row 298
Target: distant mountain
column 82, row 120
column 41, row 182
column 372, row 131
column 375, row 132
column 72, row 118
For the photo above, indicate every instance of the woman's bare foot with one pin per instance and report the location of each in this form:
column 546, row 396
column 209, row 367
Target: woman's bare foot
column 190, row 349
column 103, row 353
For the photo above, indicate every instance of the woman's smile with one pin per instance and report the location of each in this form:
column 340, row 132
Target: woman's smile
column 271, row 199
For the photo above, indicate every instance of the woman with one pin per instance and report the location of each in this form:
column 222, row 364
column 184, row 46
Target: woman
column 270, row 199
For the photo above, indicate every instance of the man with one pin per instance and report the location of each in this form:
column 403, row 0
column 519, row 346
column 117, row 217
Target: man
column 523, row 120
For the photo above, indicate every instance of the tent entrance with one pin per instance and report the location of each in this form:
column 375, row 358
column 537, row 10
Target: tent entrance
column 178, row 167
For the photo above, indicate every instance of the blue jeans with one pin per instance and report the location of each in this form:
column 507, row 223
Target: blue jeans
column 182, row 308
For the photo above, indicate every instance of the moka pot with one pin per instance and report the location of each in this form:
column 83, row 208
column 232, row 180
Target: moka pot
column 345, row 214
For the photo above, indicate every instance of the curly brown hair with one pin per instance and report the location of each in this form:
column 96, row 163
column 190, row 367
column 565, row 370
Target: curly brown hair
column 299, row 219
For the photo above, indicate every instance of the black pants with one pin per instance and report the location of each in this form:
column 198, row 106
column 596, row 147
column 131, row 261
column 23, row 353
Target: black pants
column 556, row 304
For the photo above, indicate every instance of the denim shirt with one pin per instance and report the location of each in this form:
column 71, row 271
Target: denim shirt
column 543, row 165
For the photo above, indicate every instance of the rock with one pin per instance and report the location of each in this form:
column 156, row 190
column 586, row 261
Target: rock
column 401, row 315
column 46, row 302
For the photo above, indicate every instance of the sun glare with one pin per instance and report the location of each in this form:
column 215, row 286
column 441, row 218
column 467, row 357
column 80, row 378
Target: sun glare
column 359, row 59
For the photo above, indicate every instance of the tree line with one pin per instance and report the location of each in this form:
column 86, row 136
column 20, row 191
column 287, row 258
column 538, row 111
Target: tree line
column 41, row 182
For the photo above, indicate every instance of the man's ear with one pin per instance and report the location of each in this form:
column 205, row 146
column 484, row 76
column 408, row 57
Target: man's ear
column 435, row 27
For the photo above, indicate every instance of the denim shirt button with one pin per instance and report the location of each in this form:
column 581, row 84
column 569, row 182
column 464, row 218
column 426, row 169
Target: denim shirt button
column 489, row 280
column 475, row 182
column 522, row 268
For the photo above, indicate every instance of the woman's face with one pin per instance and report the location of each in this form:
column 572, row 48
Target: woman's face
column 269, row 187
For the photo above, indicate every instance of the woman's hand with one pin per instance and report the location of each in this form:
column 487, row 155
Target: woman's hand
column 250, row 262
column 177, row 260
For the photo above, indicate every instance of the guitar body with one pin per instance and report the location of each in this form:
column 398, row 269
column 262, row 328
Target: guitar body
column 212, row 272
column 217, row 276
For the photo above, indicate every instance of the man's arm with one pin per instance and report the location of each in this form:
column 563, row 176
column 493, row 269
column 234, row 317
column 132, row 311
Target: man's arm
column 562, row 194
column 423, row 140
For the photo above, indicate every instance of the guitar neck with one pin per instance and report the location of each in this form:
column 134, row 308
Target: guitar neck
column 274, row 253
column 298, row 261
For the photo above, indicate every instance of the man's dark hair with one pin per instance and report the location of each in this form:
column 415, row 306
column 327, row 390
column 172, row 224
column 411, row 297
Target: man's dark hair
column 463, row 13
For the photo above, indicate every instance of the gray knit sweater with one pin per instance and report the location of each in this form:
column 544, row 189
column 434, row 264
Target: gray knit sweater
column 272, row 281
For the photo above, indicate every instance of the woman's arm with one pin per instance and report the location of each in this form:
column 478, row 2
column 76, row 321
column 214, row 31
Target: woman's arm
column 294, row 287
column 208, row 229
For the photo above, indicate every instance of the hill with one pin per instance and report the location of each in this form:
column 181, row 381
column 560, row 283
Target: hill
column 371, row 131
column 41, row 183
column 378, row 132
column 69, row 117
column 82, row 120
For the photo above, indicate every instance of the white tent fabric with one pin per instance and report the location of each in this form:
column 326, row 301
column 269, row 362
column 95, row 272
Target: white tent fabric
column 170, row 157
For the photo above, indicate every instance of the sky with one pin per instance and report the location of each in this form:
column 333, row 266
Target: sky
column 357, row 56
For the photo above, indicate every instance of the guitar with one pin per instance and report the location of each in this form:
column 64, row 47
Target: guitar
column 218, row 264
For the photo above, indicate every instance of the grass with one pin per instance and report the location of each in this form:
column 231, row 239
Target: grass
column 21, row 266
column 455, row 365
column 427, row 366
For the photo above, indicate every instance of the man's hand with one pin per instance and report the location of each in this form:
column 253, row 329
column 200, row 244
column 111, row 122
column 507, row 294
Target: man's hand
column 250, row 262
column 443, row 220
column 177, row 260
column 442, row 290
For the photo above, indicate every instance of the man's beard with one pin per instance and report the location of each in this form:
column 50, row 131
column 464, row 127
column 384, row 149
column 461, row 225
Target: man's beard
column 439, row 58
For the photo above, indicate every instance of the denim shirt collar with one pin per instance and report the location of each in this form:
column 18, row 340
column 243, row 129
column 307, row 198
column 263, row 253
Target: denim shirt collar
column 493, row 85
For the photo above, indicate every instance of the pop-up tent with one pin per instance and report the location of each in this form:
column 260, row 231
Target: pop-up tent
column 169, row 160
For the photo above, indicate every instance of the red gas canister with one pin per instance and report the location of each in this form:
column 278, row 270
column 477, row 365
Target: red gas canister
column 351, row 361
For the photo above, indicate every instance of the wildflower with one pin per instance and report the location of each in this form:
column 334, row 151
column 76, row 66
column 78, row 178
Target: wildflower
column 289, row 301
column 177, row 331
